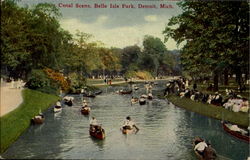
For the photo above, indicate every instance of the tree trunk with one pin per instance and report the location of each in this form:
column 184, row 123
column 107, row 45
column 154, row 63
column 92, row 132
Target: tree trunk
column 226, row 77
column 246, row 76
column 216, row 80
column 238, row 77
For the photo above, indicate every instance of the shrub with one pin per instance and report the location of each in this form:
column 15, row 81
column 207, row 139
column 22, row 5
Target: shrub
column 37, row 79
column 77, row 81
column 139, row 74
column 58, row 78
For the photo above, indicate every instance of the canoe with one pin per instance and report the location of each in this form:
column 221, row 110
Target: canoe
column 98, row 92
column 198, row 139
column 97, row 133
column 150, row 96
column 85, row 110
column 208, row 155
column 125, row 92
column 136, row 88
column 57, row 109
column 134, row 100
column 128, row 131
column 142, row 101
column 90, row 95
column 69, row 103
column 144, row 96
column 38, row 119
column 236, row 134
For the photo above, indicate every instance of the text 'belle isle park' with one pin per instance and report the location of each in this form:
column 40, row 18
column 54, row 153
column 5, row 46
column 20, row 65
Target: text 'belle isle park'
column 113, row 5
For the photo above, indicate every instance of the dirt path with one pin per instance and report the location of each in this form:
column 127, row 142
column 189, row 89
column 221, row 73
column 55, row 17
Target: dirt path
column 11, row 97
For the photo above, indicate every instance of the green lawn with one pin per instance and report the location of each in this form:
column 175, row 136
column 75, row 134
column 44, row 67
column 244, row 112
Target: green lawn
column 16, row 122
column 216, row 112
column 98, row 81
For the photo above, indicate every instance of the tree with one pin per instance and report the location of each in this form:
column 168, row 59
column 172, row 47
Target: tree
column 216, row 36
column 129, row 57
column 152, row 52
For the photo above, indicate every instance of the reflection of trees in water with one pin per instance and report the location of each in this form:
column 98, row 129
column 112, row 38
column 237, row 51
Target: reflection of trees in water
column 154, row 112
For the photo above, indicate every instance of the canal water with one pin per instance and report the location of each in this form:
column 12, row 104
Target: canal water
column 166, row 131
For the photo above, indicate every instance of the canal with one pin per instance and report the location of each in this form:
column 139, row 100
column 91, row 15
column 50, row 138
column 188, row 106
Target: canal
column 166, row 131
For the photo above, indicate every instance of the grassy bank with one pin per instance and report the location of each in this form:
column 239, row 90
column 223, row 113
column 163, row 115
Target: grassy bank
column 210, row 110
column 14, row 123
column 100, row 81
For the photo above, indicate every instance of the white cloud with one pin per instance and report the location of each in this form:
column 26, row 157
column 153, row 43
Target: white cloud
column 150, row 18
column 101, row 19
column 119, row 36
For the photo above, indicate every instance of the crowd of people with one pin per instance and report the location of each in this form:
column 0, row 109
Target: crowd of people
column 231, row 101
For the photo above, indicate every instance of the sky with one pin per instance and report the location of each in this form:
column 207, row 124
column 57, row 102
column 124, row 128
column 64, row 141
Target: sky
column 115, row 27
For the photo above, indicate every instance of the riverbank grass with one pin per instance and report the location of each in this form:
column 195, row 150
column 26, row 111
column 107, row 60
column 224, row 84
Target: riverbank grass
column 16, row 122
column 213, row 111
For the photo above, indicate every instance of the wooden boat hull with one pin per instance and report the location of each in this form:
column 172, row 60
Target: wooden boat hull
column 89, row 95
column 133, row 101
column 209, row 154
column 57, row 109
column 142, row 102
column 37, row 120
column 85, row 111
column 128, row 131
column 98, row 135
column 69, row 103
column 136, row 88
column 150, row 97
column 125, row 92
column 196, row 153
column 235, row 134
column 98, row 92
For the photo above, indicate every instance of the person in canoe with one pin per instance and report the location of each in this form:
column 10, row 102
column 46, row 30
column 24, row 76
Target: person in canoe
column 85, row 108
column 58, row 103
column 129, row 124
column 200, row 146
column 94, row 126
column 84, row 103
column 134, row 100
column 58, row 106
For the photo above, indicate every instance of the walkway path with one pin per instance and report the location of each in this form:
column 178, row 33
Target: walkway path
column 11, row 97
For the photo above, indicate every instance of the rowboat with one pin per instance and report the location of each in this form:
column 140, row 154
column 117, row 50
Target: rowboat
column 39, row 119
column 68, row 100
column 150, row 96
column 142, row 101
column 128, row 131
column 125, row 92
column 240, row 134
column 57, row 109
column 69, row 103
column 98, row 92
column 208, row 154
column 97, row 132
column 90, row 95
column 134, row 100
column 196, row 141
column 85, row 110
